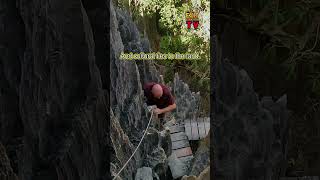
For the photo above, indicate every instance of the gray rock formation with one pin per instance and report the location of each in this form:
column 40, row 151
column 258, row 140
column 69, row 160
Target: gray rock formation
column 52, row 104
column 144, row 173
column 165, row 141
column 6, row 171
column 130, row 117
column 201, row 158
column 249, row 134
column 133, row 43
column 177, row 167
column 188, row 101
column 204, row 175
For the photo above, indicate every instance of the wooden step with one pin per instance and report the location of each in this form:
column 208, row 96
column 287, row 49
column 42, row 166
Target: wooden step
column 197, row 129
column 180, row 144
column 202, row 129
column 183, row 152
column 193, row 131
column 178, row 136
column 175, row 129
column 188, row 130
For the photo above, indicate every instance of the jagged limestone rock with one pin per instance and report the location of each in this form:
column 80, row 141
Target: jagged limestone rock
column 179, row 166
column 6, row 172
column 132, row 42
column 249, row 134
column 144, row 173
column 123, row 148
column 50, row 77
column 165, row 141
column 157, row 160
column 188, row 102
column 201, row 158
column 155, row 154
column 204, row 175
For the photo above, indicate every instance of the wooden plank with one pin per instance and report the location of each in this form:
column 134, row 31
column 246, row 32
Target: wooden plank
column 187, row 122
column 188, row 130
column 180, row 144
column 178, row 136
column 183, row 152
column 194, row 131
column 197, row 128
column 175, row 129
column 202, row 130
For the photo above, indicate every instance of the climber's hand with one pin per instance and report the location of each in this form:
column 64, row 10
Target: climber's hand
column 157, row 111
column 150, row 108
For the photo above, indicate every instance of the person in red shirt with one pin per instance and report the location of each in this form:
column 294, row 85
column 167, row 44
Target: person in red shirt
column 159, row 95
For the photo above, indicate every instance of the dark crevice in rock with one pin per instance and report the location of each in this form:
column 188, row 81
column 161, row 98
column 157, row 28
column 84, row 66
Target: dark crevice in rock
column 12, row 45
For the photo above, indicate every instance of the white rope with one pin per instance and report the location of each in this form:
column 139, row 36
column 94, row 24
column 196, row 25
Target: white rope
column 135, row 149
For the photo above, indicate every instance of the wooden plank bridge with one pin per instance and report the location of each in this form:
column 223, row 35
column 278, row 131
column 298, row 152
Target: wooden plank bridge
column 181, row 134
column 197, row 129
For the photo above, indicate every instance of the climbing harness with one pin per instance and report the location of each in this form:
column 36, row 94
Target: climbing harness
column 135, row 149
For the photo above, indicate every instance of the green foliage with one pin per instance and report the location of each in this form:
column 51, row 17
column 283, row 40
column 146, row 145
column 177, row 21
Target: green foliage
column 288, row 33
column 169, row 44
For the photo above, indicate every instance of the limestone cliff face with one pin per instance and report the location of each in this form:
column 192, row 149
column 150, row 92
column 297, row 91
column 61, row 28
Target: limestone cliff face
column 6, row 171
column 128, row 114
column 53, row 106
column 250, row 135
column 188, row 101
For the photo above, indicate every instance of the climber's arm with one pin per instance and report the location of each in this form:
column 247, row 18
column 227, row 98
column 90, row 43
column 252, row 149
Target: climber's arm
column 168, row 109
column 171, row 105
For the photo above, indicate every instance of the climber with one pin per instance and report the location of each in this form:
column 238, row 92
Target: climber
column 160, row 96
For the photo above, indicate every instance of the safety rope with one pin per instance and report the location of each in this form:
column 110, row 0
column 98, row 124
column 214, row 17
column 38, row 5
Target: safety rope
column 135, row 149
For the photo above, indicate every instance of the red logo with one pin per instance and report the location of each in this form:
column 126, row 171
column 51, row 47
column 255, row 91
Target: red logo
column 192, row 19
